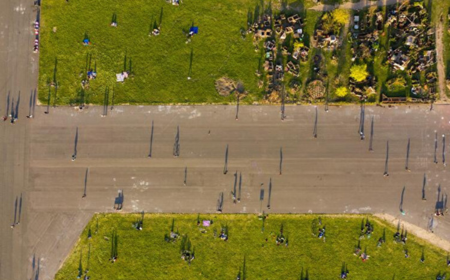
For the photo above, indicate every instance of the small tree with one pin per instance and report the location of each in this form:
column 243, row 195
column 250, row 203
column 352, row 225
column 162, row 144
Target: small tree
column 341, row 16
column 342, row 91
column 359, row 72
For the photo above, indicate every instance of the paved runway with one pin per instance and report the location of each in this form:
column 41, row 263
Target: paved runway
column 18, row 77
column 334, row 173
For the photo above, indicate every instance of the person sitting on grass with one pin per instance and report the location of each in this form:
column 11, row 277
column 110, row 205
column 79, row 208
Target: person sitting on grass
column 364, row 257
column 280, row 239
column 114, row 20
column 344, row 275
column 357, row 251
column 138, row 225
column 397, row 237
column 404, row 238
column 156, row 32
column 224, row 234
column 91, row 74
column 321, row 232
column 406, row 253
column 380, row 241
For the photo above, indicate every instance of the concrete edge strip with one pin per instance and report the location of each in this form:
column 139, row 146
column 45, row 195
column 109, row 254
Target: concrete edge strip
column 416, row 230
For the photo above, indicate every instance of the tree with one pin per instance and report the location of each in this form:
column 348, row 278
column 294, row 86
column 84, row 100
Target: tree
column 359, row 72
column 341, row 16
column 341, row 91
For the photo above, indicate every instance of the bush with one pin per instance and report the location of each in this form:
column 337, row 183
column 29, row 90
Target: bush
column 341, row 16
column 359, row 72
column 342, row 91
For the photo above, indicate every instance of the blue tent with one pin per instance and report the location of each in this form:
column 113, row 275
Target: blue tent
column 194, row 29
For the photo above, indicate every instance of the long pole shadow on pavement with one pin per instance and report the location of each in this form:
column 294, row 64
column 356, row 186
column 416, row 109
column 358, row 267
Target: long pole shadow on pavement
column 220, row 203
column 270, row 193
column 151, row 142
column 30, row 106
column 315, row 124
column 234, row 187
column 443, row 150
column 85, row 182
column 261, row 197
column 237, row 107
column 401, row 201
column 16, row 113
column 360, row 118
column 38, row 268
column 435, row 148
column 15, row 214
column 33, row 263
column 12, row 110
column 371, row 136
column 423, row 186
column 176, row 145
column 361, row 122
column 34, row 101
column 407, row 155
column 281, row 161
column 386, row 172
column 283, row 108
column 7, row 106
column 74, row 156
column 20, row 209
column 185, row 176
column 240, row 187
column 439, row 206
column 225, row 168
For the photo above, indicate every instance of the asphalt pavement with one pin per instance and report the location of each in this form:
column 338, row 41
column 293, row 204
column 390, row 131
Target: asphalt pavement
column 333, row 173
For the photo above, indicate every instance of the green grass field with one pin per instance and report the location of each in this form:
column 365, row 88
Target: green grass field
column 160, row 63
column 146, row 255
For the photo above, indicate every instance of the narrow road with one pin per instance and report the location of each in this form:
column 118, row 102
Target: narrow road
column 355, row 6
column 18, row 78
column 440, row 60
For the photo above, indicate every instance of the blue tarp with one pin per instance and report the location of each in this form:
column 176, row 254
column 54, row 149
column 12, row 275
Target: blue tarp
column 194, row 29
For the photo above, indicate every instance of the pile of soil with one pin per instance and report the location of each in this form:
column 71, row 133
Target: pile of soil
column 225, row 86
